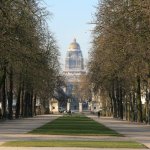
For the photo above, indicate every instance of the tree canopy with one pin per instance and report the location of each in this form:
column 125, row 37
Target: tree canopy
column 120, row 55
column 29, row 66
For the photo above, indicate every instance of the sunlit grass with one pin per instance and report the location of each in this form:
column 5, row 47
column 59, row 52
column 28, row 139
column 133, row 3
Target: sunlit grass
column 90, row 144
column 74, row 125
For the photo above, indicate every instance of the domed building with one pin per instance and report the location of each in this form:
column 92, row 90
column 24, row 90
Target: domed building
column 74, row 58
column 74, row 67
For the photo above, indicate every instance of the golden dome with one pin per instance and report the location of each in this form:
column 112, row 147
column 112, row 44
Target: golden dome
column 74, row 45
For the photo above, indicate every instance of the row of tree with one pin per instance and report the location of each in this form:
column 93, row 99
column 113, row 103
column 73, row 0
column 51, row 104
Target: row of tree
column 120, row 56
column 29, row 67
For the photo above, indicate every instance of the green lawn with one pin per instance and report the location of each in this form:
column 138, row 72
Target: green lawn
column 90, row 144
column 74, row 125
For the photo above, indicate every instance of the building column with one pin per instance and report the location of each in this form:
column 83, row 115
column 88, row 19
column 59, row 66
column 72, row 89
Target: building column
column 68, row 106
column 80, row 107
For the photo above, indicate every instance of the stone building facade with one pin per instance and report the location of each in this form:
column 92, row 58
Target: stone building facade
column 74, row 68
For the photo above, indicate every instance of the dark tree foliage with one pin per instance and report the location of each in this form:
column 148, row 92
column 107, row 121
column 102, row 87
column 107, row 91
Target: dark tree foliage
column 29, row 65
column 120, row 56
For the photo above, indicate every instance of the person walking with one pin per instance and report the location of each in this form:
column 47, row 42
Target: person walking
column 98, row 114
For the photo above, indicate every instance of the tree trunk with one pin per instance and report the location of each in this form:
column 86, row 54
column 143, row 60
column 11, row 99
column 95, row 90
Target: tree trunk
column 31, row 104
column 126, row 108
column 139, row 103
column 10, row 95
column 134, row 107
column 4, row 114
column 114, row 102
column 131, row 115
column 18, row 107
column 0, row 103
column 117, row 99
column 26, row 101
column 28, row 104
column 148, row 106
column 121, row 103
column 22, row 100
column 34, row 105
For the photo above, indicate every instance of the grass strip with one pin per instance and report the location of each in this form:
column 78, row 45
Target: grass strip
column 74, row 125
column 89, row 144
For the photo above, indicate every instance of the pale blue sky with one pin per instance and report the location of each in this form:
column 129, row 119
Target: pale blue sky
column 70, row 20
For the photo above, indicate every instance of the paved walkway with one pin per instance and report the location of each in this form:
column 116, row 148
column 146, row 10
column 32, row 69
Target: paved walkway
column 133, row 131
column 62, row 148
column 12, row 130
column 21, row 126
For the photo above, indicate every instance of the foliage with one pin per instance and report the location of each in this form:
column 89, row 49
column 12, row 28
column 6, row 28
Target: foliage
column 120, row 54
column 29, row 65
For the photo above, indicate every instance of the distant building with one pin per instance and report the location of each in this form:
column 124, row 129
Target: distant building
column 53, row 106
column 74, row 67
